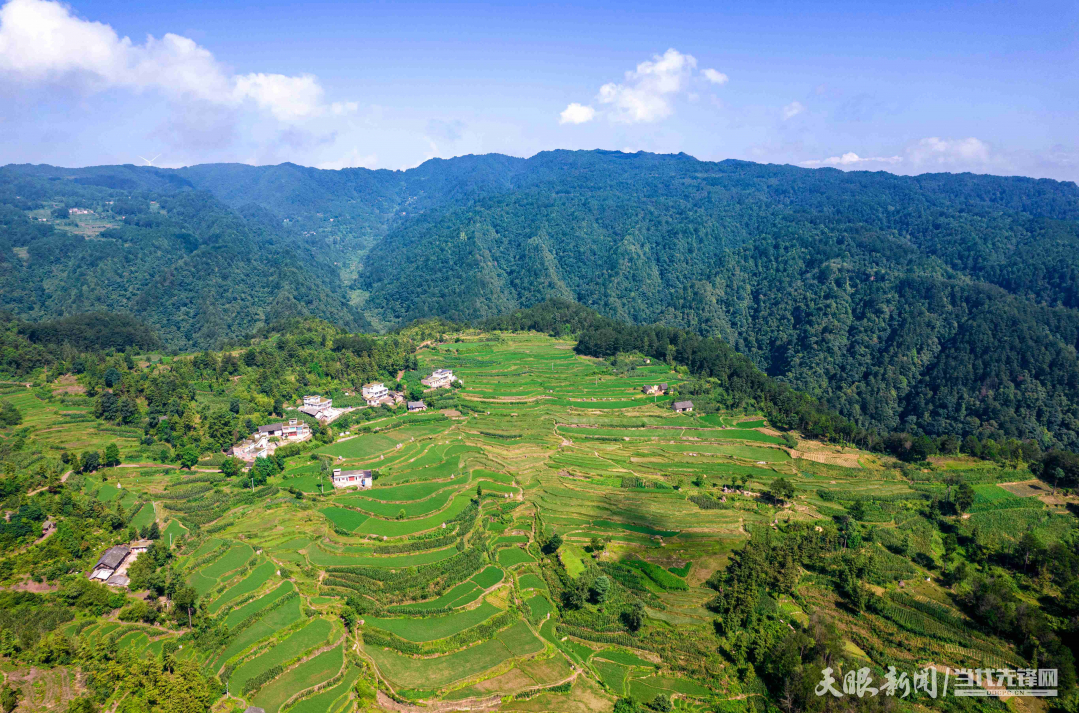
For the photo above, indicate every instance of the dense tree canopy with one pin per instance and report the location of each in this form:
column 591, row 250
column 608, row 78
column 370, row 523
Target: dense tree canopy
column 940, row 304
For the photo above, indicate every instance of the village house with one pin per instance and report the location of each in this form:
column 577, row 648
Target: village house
column 294, row 430
column 261, row 443
column 317, row 407
column 414, row 406
column 653, row 389
column 361, row 479
column 378, row 394
column 683, row 406
column 316, row 401
column 439, row 379
column 112, row 567
column 110, row 562
column 258, row 446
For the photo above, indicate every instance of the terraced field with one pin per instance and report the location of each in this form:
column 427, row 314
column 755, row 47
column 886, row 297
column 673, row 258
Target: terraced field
column 445, row 567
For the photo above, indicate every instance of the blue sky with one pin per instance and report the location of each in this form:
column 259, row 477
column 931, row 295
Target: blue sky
column 906, row 87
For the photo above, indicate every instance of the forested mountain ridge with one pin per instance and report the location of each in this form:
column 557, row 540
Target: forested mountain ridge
column 946, row 303
column 196, row 271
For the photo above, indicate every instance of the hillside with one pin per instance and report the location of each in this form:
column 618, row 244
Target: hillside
column 945, row 304
column 545, row 537
column 196, row 271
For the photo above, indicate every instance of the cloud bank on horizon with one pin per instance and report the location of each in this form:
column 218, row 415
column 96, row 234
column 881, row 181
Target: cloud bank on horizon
column 72, row 81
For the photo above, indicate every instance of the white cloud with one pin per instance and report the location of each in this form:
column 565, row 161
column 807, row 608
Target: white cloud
column 715, row 76
column 646, row 93
column 576, row 114
column 793, row 109
column 934, row 151
column 850, row 159
column 42, row 42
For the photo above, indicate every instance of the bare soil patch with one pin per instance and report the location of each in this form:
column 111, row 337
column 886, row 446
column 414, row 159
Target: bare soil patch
column 1027, row 488
column 66, row 384
column 846, row 460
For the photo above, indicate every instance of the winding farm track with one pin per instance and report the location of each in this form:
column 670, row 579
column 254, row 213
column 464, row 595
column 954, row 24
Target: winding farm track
column 63, row 479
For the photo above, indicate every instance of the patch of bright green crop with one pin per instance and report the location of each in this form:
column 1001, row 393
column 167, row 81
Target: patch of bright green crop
column 489, row 577
column 625, row 658
column 538, row 606
column 416, row 508
column 348, row 520
column 326, row 559
column 531, row 581
column 573, row 560
column 464, row 593
column 435, row 627
column 511, row 556
column 308, row 637
column 399, row 528
column 310, row 673
column 658, row 575
column 240, row 613
column 259, row 576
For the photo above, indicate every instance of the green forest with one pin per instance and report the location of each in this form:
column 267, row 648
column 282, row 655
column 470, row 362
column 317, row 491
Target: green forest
column 936, row 304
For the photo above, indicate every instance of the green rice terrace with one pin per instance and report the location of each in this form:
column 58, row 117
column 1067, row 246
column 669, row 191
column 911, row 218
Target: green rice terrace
column 552, row 540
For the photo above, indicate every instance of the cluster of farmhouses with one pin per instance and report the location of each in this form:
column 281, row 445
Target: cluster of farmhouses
column 267, row 439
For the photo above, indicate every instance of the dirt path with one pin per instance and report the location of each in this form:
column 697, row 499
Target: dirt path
column 63, row 479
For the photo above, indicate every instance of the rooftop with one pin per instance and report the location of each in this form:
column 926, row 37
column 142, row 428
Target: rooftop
column 113, row 557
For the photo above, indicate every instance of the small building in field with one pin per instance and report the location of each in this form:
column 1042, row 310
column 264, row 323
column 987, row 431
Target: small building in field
column 109, row 562
column 683, row 406
column 112, row 567
column 140, row 546
column 439, row 379
column 361, row 479
column 414, row 406
column 655, row 389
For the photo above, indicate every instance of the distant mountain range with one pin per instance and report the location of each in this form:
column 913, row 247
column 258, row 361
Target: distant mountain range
column 947, row 303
